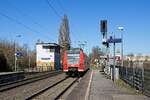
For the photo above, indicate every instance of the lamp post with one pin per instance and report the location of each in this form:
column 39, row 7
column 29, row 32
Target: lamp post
column 121, row 29
column 16, row 54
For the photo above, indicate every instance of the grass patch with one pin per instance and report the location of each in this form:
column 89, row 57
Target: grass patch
column 126, row 87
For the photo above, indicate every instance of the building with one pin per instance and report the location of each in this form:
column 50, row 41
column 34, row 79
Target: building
column 48, row 56
column 140, row 58
column 139, row 61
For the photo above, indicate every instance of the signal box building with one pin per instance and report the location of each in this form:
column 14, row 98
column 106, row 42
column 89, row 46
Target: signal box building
column 48, row 56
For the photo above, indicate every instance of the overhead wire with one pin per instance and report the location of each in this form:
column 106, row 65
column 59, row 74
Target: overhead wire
column 18, row 22
column 53, row 9
column 63, row 9
column 49, row 3
column 61, row 6
column 25, row 15
column 22, row 24
column 73, row 34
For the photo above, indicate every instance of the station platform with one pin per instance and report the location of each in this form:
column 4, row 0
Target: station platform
column 102, row 88
column 6, row 77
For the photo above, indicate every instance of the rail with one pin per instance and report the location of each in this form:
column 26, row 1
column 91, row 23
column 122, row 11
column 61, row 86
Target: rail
column 45, row 89
column 58, row 96
column 11, row 76
column 27, row 81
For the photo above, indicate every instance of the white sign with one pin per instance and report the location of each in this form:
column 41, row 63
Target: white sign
column 45, row 57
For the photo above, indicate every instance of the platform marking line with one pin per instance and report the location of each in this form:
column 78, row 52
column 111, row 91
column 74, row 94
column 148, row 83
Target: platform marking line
column 88, row 88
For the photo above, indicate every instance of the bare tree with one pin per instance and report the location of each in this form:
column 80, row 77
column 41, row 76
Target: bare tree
column 3, row 62
column 7, row 59
column 95, row 54
column 64, row 34
column 7, row 50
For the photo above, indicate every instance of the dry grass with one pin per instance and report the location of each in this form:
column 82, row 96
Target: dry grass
column 126, row 87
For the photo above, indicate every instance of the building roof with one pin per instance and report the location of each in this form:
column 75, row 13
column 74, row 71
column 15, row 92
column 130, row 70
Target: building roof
column 48, row 44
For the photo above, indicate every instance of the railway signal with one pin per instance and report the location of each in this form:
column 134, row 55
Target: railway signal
column 104, row 32
column 103, row 27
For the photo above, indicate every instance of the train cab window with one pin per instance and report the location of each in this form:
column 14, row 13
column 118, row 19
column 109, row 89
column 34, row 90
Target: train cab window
column 73, row 56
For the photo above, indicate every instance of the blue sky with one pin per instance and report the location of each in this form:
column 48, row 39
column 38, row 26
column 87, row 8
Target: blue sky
column 84, row 19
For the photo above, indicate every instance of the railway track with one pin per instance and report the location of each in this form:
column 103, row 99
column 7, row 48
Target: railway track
column 67, row 88
column 11, row 85
column 54, row 91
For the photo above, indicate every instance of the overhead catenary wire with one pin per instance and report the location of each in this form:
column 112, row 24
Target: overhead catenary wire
column 63, row 9
column 53, row 9
column 24, row 14
column 18, row 22
column 28, row 15
column 61, row 6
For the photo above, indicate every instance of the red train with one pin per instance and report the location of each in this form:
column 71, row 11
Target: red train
column 74, row 62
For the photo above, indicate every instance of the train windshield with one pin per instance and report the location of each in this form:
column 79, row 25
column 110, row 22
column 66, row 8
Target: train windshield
column 73, row 57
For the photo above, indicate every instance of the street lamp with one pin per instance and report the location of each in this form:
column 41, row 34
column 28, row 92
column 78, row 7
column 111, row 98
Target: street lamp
column 16, row 54
column 121, row 29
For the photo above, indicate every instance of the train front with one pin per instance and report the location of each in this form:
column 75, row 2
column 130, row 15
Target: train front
column 73, row 61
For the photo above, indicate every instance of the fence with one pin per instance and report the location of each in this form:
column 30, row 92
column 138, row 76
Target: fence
column 147, row 82
column 137, row 75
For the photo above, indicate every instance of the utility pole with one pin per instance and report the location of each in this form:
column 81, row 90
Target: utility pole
column 16, row 54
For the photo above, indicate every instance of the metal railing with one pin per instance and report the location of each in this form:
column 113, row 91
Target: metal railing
column 137, row 77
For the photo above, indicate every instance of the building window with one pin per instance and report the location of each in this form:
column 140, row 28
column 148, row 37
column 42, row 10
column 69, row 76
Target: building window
column 46, row 48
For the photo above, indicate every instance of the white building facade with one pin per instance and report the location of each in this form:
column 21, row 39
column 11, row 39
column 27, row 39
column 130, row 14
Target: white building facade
column 47, row 56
